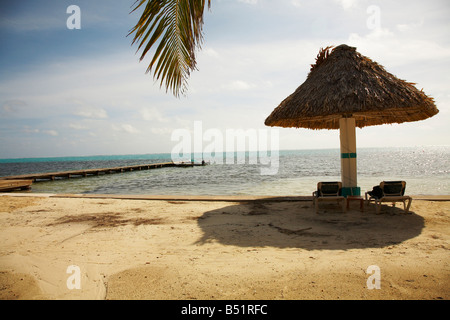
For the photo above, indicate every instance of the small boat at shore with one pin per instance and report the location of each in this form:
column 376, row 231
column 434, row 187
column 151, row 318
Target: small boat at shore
column 12, row 185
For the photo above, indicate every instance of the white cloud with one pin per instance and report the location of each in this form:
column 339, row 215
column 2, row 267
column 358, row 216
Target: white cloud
column 128, row 128
column 395, row 51
column 211, row 52
column 239, row 85
column 28, row 129
column 406, row 27
column 296, row 3
column 12, row 106
column 53, row 133
column 377, row 36
column 347, row 4
column 91, row 112
column 77, row 126
column 33, row 131
column 249, row 1
column 162, row 131
column 31, row 23
column 152, row 114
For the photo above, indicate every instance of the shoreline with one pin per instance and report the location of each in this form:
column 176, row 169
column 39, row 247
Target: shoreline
column 226, row 248
column 192, row 197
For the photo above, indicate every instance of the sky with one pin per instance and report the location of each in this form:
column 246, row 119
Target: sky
column 79, row 92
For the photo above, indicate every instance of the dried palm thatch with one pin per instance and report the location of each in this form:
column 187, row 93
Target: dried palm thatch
column 344, row 83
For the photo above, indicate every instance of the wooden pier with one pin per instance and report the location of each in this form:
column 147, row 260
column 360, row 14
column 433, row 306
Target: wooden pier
column 35, row 177
column 12, row 185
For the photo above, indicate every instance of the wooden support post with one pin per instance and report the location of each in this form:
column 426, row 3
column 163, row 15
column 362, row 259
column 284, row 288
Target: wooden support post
column 347, row 127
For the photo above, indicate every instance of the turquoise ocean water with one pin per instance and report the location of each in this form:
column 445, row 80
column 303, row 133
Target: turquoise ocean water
column 293, row 172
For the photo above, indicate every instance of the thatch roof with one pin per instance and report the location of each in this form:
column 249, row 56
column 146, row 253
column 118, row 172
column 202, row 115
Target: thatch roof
column 344, row 83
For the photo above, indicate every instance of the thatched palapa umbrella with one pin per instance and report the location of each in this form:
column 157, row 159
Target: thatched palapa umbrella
column 344, row 90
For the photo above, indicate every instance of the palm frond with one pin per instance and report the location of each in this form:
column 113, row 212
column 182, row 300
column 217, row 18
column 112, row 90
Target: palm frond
column 176, row 27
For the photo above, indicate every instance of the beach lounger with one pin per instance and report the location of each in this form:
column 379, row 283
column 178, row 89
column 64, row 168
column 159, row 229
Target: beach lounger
column 329, row 191
column 389, row 191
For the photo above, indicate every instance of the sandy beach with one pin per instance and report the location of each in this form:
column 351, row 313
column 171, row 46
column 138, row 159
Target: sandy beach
column 212, row 248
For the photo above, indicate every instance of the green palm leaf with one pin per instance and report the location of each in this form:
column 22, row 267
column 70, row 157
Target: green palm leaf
column 176, row 27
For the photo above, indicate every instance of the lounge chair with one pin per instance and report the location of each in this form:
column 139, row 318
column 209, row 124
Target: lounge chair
column 329, row 191
column 389, row 191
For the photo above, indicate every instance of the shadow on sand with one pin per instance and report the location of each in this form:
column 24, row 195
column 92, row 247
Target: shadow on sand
column 294, row 224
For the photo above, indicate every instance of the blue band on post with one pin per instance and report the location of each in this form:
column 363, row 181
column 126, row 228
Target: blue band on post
column 351, row 191
column 348, row 155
